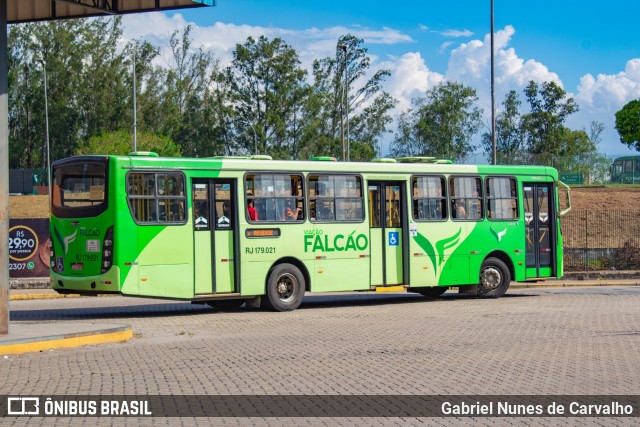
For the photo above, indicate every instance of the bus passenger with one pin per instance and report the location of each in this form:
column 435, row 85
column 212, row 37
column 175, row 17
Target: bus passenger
column 460, row 211
column 253, row 214
column 291, row 213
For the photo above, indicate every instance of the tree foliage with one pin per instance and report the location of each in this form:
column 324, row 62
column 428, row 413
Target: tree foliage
column 509, row 142
column 441, row 124
column 543, row 127
column 121, row 143
column 628, row 124
column 263, row 102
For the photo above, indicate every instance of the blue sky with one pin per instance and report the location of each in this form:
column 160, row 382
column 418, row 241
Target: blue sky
column 591, row 48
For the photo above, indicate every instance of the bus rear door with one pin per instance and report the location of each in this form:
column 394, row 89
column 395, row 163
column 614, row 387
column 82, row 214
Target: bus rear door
column 215, row 225
column 539, row 229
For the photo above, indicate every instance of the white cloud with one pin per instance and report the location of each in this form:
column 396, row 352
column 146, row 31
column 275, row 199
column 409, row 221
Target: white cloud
column 599, row 97
column 444, row 46
column 457, row 33
column 221, row 38
column 410, row 78
column 610, row 92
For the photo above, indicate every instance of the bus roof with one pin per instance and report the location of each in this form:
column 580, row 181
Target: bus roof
column 374, row 167
column 630, row 157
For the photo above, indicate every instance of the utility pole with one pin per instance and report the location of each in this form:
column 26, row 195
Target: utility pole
column 135, row 110
column 46, row 126
column 494, row 156
column 345, row 148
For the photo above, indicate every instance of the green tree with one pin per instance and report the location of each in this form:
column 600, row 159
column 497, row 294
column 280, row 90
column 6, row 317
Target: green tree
column 509, row 143
column 347, row 106
column 543, row 127
column 88, row 87
column 441, row 124
column 628, row 124
column 266, row 86
column 186, row 97
column 121, row 143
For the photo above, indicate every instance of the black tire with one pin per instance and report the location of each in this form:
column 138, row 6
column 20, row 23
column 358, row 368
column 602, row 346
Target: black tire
column 432, row 293
column 285, row 288
column 226, row 304
column 494, row 278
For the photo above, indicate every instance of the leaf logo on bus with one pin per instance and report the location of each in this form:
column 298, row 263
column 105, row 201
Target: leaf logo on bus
column 440, row 247
column 68, row 240
column 65, row 241
column 499, row 235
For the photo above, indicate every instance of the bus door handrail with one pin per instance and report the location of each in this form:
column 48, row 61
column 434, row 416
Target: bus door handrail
column 563, row 212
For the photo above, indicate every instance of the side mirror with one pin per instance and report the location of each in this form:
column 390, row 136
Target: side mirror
column 566, row 210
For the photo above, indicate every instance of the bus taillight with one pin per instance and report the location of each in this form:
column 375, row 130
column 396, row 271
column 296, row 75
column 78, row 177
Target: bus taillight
column 107, row 250
column 52, row 255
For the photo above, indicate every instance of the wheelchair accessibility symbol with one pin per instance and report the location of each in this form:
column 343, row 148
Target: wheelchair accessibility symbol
column 393, row 238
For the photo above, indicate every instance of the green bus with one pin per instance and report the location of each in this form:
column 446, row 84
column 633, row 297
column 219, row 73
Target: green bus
column 225, row 231
column 626, row 170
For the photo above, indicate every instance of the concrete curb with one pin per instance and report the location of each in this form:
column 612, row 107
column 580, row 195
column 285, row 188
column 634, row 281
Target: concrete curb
column 43, row 295
column 27, row 338
column 575, row 284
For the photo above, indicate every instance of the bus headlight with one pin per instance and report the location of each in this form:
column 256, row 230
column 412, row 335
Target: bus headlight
column 107, row 250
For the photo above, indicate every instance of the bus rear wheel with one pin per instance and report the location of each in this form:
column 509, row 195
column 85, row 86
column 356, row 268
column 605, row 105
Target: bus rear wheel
column 494, row 278
column 285, row 288
column 226, row 304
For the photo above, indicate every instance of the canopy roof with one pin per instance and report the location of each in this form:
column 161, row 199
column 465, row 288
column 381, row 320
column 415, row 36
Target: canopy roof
column 41, row 10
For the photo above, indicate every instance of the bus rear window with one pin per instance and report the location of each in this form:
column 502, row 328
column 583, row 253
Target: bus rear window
column 79, row 188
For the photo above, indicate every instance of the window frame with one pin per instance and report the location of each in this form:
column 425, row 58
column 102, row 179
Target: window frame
column 156, row 197
column 309, row 198
column 487, row 198
column 444, row 197
column 452, row 198
column 61, row 211
column 254, row 197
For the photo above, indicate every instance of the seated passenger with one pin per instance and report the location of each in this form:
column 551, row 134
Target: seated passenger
column 253, row 213
column 460, row 211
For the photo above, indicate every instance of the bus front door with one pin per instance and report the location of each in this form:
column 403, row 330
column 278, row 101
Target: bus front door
column 214, row 225
column 539, row 217
column 387, row 203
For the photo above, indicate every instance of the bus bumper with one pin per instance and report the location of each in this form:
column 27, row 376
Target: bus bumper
column 106, row 283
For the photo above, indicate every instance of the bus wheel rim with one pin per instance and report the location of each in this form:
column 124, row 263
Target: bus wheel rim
column 490, row 278
column 286, row 287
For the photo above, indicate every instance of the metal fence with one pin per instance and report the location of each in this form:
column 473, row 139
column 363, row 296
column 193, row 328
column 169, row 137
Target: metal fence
column 601, row 240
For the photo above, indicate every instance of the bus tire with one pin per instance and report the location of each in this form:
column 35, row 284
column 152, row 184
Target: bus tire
column 285, row 288
column 226, row 304
column 494, row 278
column 434, row 292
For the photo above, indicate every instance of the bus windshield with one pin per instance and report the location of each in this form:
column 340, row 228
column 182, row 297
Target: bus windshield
column 79, row 188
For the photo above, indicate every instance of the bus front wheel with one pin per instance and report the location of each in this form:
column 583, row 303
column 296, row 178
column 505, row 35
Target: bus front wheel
column 494, row 278
column 285, row 288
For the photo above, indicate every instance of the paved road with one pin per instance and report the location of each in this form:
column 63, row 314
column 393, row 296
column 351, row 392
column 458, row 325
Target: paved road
column 532, row 341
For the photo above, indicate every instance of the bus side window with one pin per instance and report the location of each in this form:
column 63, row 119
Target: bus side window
column 429, row 198
column 276, row 197
column 466, row 197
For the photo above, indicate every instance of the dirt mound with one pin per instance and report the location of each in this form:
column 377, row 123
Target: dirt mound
column 605, row 198
column 29, row 207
